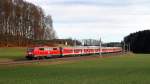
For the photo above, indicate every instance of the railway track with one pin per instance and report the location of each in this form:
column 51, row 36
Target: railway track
column 18, row 62
column 47, row 60
column 59, row 59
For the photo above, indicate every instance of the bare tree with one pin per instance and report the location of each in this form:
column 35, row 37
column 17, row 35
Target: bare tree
column 21, row 22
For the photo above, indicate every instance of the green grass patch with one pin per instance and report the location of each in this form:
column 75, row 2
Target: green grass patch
column 12, row 53
column 134, row 69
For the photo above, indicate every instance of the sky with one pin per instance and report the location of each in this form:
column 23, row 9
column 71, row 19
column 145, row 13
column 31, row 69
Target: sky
column 110, row 20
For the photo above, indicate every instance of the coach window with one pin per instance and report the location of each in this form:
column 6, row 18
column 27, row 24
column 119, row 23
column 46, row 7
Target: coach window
column 47, row 48
column 50, row 48
column 41, row 48
column 54, row 48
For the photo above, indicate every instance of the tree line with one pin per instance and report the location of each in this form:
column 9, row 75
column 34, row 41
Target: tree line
column 22, row 22
column 139, row 42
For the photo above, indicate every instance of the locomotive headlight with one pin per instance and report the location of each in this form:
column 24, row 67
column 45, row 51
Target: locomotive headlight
column 30, row 53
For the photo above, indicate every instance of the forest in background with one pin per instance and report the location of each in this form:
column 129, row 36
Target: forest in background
column 22, row 23
column 139, row 42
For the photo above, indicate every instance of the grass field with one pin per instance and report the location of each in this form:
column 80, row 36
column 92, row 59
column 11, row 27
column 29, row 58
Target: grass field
column 12, row 53
column 127, row 69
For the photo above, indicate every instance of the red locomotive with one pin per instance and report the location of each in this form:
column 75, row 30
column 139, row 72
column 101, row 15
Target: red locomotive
column 47, row 52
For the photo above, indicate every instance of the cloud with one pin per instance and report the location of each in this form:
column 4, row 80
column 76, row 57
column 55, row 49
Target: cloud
column 110, row 19
column 87, row 2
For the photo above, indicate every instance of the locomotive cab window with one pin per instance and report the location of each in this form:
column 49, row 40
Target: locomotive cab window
column 30, row 49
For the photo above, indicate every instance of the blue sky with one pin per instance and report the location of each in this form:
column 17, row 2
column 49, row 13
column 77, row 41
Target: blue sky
column 90, row 19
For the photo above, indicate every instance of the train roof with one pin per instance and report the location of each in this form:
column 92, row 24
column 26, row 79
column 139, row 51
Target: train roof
column 75, row 47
